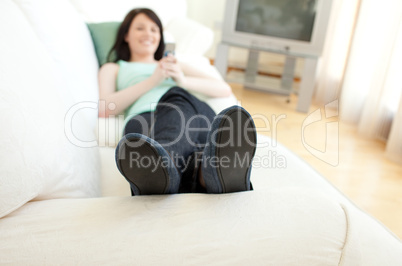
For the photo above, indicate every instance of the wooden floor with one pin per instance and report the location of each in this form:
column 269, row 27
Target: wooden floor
column 362, row 173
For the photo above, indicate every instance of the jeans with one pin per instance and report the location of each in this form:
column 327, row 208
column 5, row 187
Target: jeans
column 180, row 123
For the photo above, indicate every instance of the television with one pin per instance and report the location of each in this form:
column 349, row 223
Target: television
column 296, row 27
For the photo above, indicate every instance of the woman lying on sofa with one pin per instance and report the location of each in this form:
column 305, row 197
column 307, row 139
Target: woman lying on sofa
column 173, row 142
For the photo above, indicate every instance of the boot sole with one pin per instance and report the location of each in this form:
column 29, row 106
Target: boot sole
column 240, row 151
column 138, row 167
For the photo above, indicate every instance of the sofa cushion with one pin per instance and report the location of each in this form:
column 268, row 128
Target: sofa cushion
column 103, row 36
column 37, row 160
column 191, row 36
column 268, row 227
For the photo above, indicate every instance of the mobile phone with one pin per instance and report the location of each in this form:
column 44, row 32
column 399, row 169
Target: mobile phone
column 169, row 48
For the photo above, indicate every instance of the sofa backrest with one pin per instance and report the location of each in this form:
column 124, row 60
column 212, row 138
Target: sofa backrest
column 47, row 65
column 67, row 40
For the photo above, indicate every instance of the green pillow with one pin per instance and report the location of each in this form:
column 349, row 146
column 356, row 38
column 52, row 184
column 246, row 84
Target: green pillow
column 103, row 36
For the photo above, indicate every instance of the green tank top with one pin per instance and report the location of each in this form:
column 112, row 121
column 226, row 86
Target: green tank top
column 131, row 73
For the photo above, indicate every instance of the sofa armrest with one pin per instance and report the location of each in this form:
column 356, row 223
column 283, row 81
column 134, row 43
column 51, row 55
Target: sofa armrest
column 191, row 37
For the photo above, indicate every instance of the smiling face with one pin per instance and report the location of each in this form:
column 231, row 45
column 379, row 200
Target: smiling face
column 143, row 38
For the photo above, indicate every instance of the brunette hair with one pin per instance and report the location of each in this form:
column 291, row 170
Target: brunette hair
column 120, row 49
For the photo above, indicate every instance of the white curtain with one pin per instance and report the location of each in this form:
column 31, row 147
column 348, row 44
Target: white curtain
column 394, row 144
column 363, row 64
column 372, row 88
column 333, row 61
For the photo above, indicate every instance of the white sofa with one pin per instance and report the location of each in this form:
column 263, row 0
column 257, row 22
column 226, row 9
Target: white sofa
column 63, row 202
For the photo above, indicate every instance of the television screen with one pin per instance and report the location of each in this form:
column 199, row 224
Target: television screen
column 288, row 19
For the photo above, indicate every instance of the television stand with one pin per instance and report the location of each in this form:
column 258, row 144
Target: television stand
column 308, row 77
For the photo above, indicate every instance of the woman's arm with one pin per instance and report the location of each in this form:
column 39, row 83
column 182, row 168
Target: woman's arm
column 192, row 78
column 117, row 101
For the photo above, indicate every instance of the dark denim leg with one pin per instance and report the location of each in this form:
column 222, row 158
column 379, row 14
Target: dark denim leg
column 139, row 124
column 181, row 126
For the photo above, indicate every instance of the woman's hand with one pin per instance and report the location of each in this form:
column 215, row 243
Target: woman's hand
column 192, row 78
column 173, row 70
column 160, row 74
